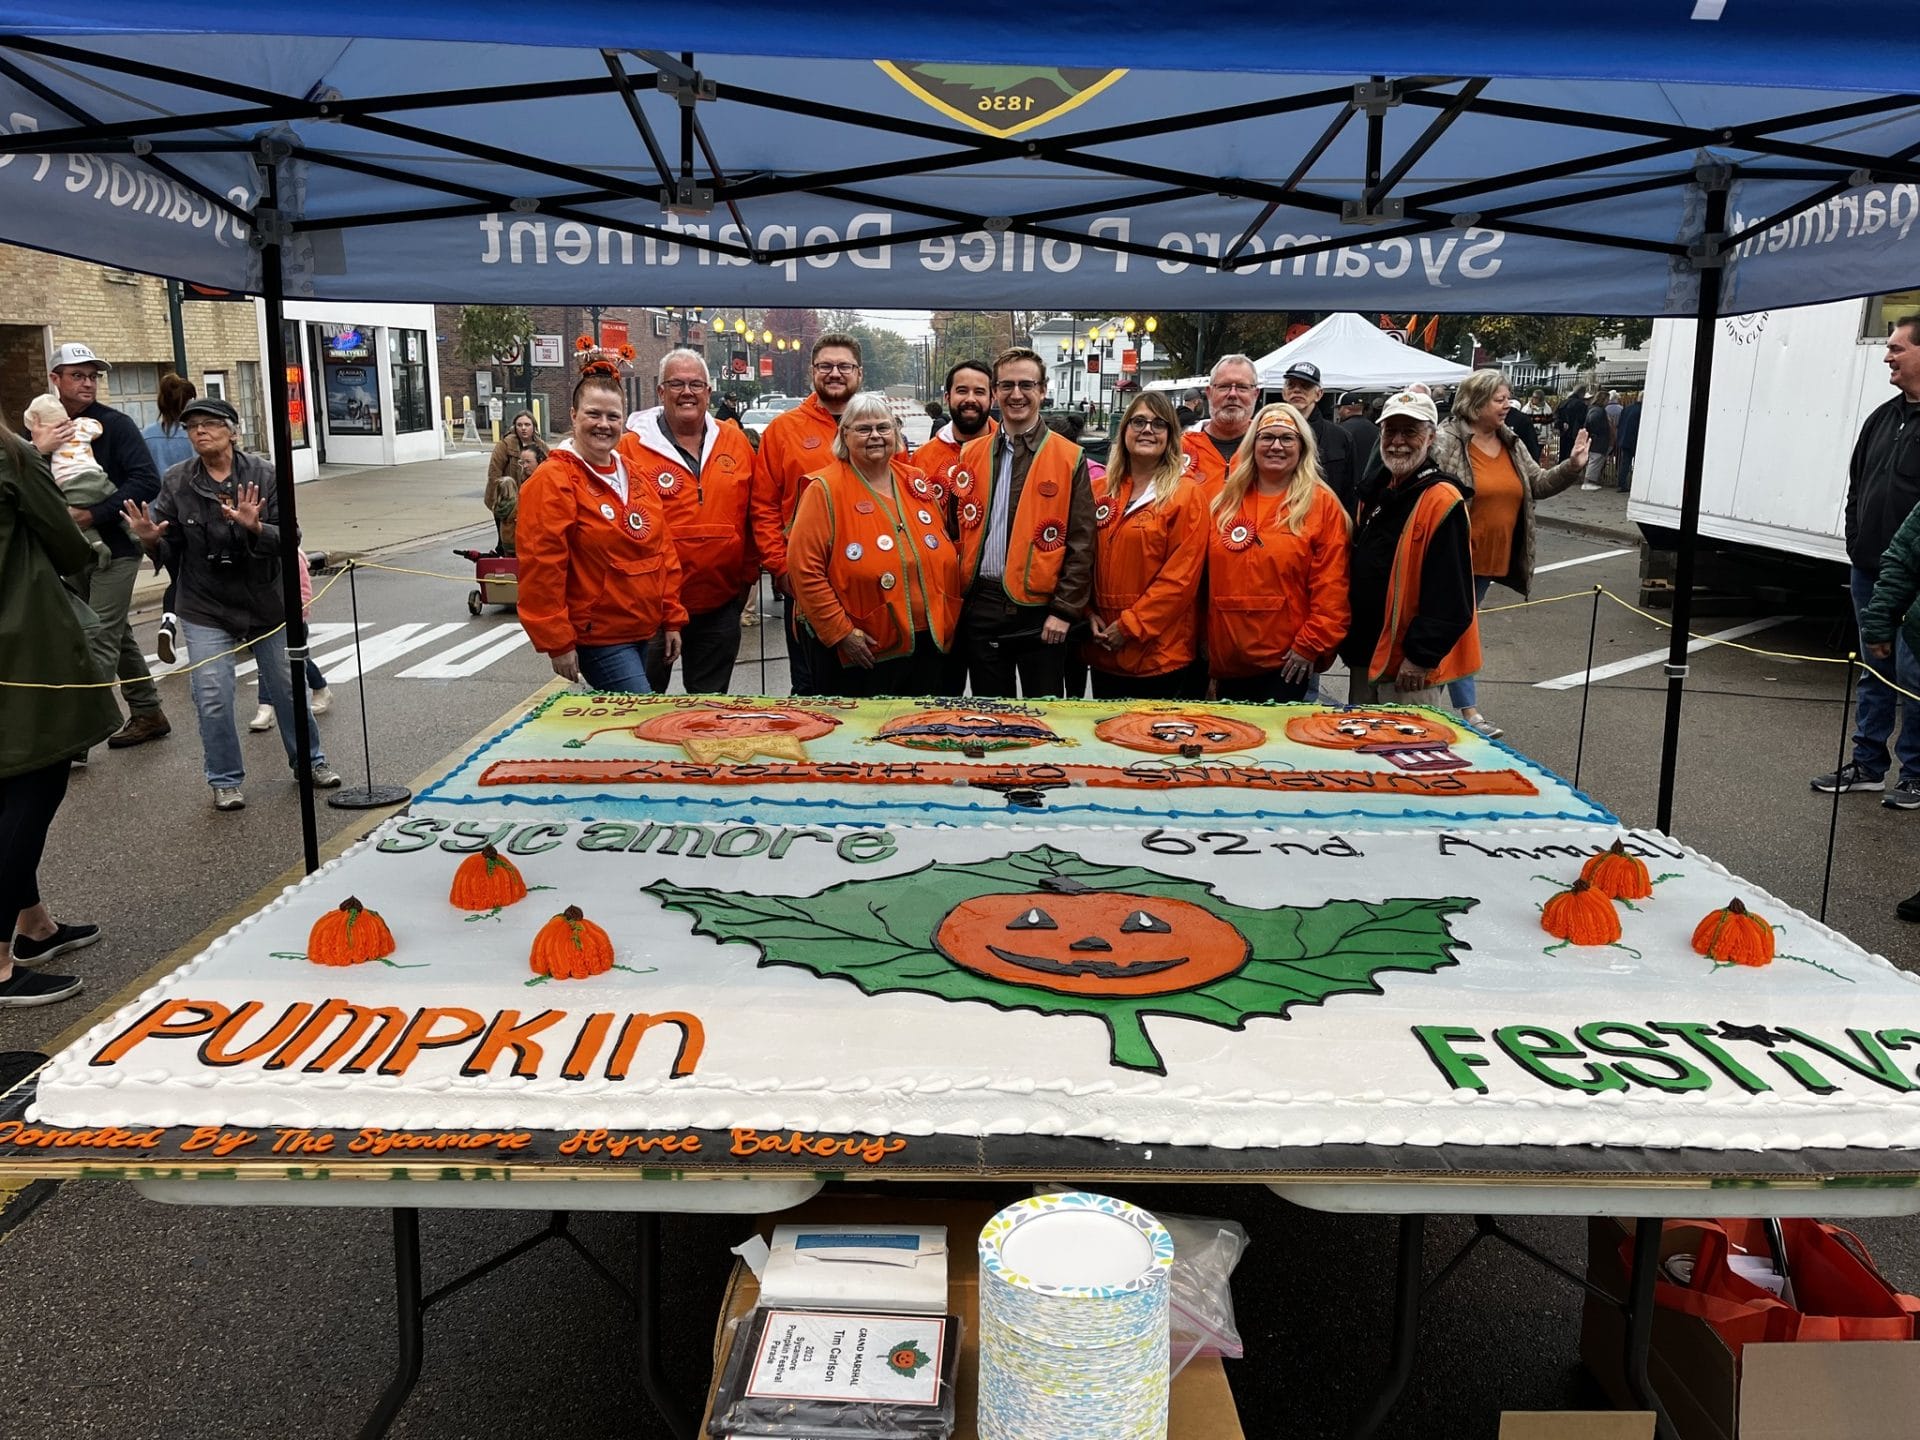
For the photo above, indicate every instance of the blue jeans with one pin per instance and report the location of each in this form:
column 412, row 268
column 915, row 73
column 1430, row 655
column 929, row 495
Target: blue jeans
column 1876, row 705
column 213, row 699
column 1464, row 694
column 620, row 668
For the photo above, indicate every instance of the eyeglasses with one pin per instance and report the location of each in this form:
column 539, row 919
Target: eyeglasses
column 864, row 432
column 684, row 387
column 836, row 367
column 1231, row 387
column 1017, row 387
column 1146, row 424
column 1276, row 440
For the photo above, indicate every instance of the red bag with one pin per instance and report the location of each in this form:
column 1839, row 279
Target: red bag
column 1838, row 1293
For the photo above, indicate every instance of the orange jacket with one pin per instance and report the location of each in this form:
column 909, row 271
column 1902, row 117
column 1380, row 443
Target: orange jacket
column 1037, row 528
column 795, row 445
column 1271, row 590
column 873, row 559
column 1205, row 462
column 1149, row 564
column 594, row 569
column 941, row 453
column 709, row 515
column 1436, row 502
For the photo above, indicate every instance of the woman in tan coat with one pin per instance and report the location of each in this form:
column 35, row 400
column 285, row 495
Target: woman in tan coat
column 520, row 452
column 1501, row 480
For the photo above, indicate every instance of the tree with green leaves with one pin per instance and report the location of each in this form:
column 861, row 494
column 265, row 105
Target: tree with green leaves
column 487, row 332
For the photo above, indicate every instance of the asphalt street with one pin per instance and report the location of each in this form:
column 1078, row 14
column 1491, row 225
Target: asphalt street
column 126, row 1319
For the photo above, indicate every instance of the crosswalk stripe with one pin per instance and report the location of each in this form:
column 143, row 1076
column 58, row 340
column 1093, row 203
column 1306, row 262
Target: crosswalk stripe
column 340, row 665
column 469, row 657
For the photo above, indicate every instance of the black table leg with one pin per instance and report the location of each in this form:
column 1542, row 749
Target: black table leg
column 1406, row 1325
column 1646, row 1270
column 646, row 1307
column 410, row 1312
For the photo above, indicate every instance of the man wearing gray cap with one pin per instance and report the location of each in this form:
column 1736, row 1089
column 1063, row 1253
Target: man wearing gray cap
column 1338, row 464
column 123, row 454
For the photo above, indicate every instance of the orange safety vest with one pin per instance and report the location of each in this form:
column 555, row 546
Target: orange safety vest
column 941, row 452
column 1436, row 502
column 709, row 514
column 1273, row 591
column 860, row 557
column 1145, row 574
column 1037, row 530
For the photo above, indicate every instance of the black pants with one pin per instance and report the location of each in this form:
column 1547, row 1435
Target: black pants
column 27, row 806
column 1004, row 646
column 921, row 673
column 1254, row 689
column 805, row 654
column 708, row 647
column 1174, row 685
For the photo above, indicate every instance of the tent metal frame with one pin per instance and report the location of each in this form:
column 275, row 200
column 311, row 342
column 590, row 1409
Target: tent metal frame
column 253, row 120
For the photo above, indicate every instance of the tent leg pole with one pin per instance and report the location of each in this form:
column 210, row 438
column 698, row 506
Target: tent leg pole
column 268, row 235
column 1705, row 321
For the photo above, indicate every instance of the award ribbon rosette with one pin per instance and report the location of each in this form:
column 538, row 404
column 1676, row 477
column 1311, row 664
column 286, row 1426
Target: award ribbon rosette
column 1073, row 1320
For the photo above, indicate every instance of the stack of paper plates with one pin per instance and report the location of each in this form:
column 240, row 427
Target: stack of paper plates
column 1073, row 1321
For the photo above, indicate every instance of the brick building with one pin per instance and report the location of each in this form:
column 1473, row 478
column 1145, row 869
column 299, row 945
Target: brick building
column 651, row 331
column 50, row 300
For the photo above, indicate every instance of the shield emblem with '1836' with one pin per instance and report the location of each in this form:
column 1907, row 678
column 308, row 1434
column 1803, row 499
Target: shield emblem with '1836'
column 1000, row 99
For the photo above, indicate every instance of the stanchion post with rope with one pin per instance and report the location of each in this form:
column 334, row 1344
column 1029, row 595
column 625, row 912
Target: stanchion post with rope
column 370, row 796
column 1586, row 688
column 1839, row 764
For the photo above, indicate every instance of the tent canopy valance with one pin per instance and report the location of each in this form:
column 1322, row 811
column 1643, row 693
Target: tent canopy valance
column 1353, row 355
column 452, row 169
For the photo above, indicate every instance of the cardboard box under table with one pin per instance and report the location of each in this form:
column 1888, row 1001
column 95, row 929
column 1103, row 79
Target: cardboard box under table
column 1202, row 1405
column 1800, row 1390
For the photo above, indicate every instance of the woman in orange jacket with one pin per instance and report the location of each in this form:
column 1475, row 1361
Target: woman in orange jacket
column 874, row 573
column 1152, row 551
column 1276, row 565
column 599, row 576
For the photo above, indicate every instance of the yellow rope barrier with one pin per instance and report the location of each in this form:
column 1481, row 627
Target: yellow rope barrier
column 435, row 574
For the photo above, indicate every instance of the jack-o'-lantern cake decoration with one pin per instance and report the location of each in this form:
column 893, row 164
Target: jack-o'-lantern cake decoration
column 1405, row 739
column 710, row 734
column 1179, row 732
column 983, row 729
column 1047, row 931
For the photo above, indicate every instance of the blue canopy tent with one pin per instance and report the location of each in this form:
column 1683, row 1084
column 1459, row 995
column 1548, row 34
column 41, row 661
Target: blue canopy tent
column 1644, row 163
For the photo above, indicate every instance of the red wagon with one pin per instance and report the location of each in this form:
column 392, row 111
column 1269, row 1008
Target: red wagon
column 497, row 577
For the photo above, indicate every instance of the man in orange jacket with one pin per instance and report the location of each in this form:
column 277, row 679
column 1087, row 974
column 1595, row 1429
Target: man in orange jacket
column 703, row 472
column 1233, row 393
column 1414, row 624
column 969, row 397
column 794, row 446
column 1024, row 521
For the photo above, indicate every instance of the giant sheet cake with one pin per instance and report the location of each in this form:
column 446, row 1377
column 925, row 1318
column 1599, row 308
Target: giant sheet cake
column 1233, row 987
column 822, row 761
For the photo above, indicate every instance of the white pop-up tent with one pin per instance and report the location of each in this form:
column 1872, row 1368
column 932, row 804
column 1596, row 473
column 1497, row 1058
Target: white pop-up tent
column 1353, row 355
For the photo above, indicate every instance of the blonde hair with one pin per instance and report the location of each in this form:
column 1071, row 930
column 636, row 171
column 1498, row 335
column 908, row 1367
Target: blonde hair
column 1166, row 476
column 1240, row 475
column 1476, row 392
column 861, row 407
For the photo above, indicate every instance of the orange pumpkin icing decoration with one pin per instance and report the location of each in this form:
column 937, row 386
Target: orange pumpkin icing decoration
column 572, row 947
column 1735, row 936
column 1094, row 942
column 350, row 935
column 487, row 880
column 1357, row 729
column 1581, row 915
column 712, row 733
column 1618, row 875
column 1175, row 732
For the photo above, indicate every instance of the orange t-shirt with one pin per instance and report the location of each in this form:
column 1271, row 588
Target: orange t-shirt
column 1495, row 512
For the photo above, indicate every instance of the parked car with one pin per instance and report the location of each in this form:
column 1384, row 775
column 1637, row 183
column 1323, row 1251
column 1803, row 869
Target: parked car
column 755, row 422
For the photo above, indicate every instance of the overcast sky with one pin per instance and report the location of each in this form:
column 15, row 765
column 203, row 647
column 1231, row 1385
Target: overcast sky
column 910, row 323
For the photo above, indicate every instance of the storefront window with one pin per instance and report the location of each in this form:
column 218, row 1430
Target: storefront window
column 1883, row 310
column 352, row 380
column 296, row 388
column 412, row 404
column 134, row 390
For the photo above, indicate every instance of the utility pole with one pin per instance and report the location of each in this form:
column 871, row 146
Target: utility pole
column 177, row 322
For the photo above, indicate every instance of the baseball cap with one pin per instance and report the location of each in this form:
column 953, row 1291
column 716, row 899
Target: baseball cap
column 1412, row 405
column 1353, row 397
column 77, row 355
column 1303, row 370
column 214, row 406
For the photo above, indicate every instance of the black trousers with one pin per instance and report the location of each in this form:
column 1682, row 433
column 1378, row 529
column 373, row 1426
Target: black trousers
column 1006, row 658
column 708, row 647
column 1256, row 689
column 28, row 804
column 1174, row 685
column 921, row 673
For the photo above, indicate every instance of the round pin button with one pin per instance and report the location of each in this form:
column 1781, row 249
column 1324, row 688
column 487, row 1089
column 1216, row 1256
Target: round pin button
column 933, row 541
column 926, row 517
column 887, row 581
column 885, row 542
column 606, row 512
column 854, row 552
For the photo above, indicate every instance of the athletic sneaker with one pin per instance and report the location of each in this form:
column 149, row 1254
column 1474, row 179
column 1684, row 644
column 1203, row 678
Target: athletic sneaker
column 30, row 987
column 228, row 797
column 322, row 699
column 262, row 719
column 167, row 642
column 325, row 777
column 1480, row 725
column 65, row 938
column 1904, row 796
column 1584, row 485
column 1849, row 777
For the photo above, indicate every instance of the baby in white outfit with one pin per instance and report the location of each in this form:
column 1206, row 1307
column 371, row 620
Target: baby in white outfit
column 75, row 471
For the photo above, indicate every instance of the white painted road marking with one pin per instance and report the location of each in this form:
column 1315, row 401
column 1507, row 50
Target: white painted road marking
column 1655, row 657
column 474, row 648
column 469, row 657
column 1581, row 560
